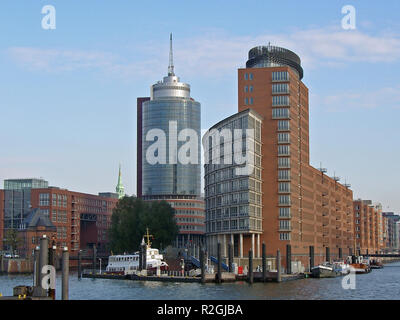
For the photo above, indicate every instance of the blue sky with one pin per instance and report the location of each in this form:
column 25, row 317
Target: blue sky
column 68, row 96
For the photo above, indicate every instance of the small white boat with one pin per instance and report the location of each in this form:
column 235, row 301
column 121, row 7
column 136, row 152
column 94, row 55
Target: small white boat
column 325, row 270
column 129, row 263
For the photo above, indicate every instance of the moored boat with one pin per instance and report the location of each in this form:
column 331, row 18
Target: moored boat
column 325, row 270
column 129, row 263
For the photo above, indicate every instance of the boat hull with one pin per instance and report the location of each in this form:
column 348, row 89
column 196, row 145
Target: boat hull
column 323, row 273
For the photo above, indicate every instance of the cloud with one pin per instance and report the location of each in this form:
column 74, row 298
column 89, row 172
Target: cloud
column 217, row 53
column 379, row 98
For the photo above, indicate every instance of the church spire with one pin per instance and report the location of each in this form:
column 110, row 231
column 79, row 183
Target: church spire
column 120, row 188
column 171, row 58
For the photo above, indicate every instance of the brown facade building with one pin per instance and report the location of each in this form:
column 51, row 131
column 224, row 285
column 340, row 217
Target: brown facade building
column 368, row 227
column 80, row 220
column 301, row 205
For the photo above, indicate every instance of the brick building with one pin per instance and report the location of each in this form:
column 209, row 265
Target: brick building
column 368, row 227
column 81, row 220
column 301, row 205
column 392, row 237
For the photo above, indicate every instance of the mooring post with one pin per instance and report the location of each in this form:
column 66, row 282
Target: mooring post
column 202, row 266
column 340, row 253
column 52, row 257
column 230, row 257
column 94, row 258
column 288, row 259
column 328, row 254
column 219, row 265
column 264, row 263
column 350, row 251
column 250, row 275
column 43, row 257
column 36, row 267
column 65, row 274
column 311, row 257
column 144, row 256
column 79, row 264
column 278, row 266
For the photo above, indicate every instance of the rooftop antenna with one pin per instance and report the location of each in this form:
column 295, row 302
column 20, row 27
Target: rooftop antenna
column 171, row 59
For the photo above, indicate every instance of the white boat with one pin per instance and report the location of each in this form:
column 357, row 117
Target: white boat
column 342, row 267
column 129, row 263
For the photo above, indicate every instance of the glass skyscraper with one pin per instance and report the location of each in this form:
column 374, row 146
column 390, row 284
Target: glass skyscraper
column 170, row 109
column 169, row 130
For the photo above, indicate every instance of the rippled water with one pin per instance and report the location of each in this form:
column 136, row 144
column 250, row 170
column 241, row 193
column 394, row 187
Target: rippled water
column 379, row 284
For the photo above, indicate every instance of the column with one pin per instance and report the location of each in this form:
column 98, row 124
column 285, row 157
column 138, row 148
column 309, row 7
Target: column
column 252, row 243
column 241, row 245
column 258, row 245
column 224, row 238
column 233, row 245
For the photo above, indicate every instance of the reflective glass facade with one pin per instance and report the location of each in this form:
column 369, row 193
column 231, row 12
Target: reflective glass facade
column 175, row 178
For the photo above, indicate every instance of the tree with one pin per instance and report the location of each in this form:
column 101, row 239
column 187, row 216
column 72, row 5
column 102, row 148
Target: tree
column 132, row 216
column 12, row 240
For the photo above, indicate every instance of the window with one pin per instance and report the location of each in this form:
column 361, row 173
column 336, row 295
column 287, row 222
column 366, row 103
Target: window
column 283, row 174
column 246, row 76
column 283, row 150
column 284, row 212
column 284, row 199
column 280, row 113
column 284, row 236
column 250, row 76
column 246, row 89
column 283, row 138
column 284, row 187
column 251, row 100
column 246, row 101
column 280, row 100
column 283, row 125
column 284, row 225
column 44, row 199
column 280, row 88
column 251, row 88
column 283, row 162
column 280, row 76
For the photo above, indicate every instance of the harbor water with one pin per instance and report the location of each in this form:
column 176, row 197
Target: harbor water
column 379, row 284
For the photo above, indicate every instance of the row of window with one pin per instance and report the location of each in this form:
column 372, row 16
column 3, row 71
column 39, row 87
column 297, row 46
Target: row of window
column 280, row 76
column 233, row 225
column 227, row 212
column 280, row 113
column 280, row 88
column 248, row 76
column 280, row 100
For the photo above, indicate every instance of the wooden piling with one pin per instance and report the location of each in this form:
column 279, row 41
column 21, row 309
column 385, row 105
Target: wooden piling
column 328, row 254
column 52, row 262
column 288, row 259
column 340, row 253
column 219, row 265
column 94, row 258
column 250, row 274
column 311, row 257
column 230, row 257
column 264, row 263
column 278, row 266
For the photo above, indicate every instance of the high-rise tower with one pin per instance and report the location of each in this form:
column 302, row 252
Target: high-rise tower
column 164, row 120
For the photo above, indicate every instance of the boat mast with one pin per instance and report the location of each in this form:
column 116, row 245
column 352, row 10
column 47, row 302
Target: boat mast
column 148, row 237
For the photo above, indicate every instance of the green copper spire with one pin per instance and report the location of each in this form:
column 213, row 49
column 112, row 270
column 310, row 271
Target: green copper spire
column 120, row 188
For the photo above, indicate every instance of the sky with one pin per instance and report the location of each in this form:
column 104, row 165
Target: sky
column 68, row 95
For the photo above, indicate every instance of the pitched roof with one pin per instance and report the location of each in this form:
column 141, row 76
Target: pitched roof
column 36, row 218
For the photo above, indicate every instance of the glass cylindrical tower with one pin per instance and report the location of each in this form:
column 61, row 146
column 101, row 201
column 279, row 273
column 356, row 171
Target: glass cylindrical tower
column 171, row 110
